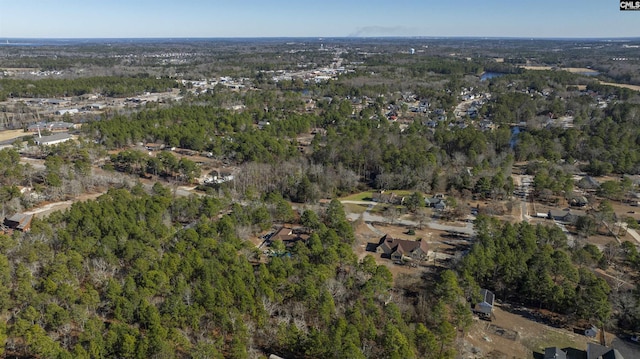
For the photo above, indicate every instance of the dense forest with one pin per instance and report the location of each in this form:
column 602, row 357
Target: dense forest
column 122, row 276
column 107, row 86
column 531, row 265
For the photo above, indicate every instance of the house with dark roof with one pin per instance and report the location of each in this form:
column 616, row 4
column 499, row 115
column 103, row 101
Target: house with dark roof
column 484, row 308
column 596, row 351
column 288, row 236
column 402, row 249
column 19, row 221
column 578, row 201
column 588, row 183
column 51, row 126
column 564, row 215
column 387, row 197
column 435, row 202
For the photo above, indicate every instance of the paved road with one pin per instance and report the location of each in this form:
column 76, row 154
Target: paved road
column 634, row 234
column 367, row 217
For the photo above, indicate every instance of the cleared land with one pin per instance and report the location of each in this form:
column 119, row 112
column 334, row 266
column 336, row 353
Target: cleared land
column 630, row 87
column 511, row 334
column 582, row 70
column 11, row 134
column 570, row 69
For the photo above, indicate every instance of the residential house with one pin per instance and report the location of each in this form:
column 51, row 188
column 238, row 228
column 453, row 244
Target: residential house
column 564, row 216
column 70, row 111
column 56, row 102
column 387, row 197
column 436, row 202
column 554, row 353
column 96, row 106
column 588, row 183
column 53, row 139
column 19, row 221
column 578, row 201
column 289, row 236
column 402, row 249
column 487, row 125
column 484, row 308
column 154, row 146
column 596, row 351
column 50, row 126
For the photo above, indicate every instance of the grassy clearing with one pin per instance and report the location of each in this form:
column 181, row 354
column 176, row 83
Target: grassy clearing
column 362, row 196
column 354, row 208
column 553, row 338
column 379, row 208
column 11, row 134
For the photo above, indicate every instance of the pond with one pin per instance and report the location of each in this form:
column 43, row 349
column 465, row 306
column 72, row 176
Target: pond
column 489, row 75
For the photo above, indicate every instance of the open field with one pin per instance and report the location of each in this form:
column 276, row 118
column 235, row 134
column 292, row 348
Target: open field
column 511, row 335
column 354, row 208
column 575, row 70
column 368, row 195
column 362, row 196
column 11, row 134
column 578, row 69
column 630, row 87
column 582, row 70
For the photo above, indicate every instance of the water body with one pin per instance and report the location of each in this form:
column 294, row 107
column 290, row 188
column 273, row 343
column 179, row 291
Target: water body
column 589, row 73
column 515, row 130
column 489, row 75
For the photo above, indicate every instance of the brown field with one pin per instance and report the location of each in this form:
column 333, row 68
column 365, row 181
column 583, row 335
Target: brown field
column 570, row 69
column 578, row 69
column 512, row 335
column 11, row 134
column 582, row 69
column 537, row 68
column 630, row 87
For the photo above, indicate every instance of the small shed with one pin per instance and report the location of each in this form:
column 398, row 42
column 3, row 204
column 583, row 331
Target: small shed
column 485, row 307
column 591, row 332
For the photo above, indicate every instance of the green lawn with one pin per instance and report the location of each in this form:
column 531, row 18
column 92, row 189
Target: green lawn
column 368, row 195
column 551, row 338
column 362, row 196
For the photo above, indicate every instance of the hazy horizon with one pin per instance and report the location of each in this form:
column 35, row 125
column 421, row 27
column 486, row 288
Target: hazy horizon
column 72, row 19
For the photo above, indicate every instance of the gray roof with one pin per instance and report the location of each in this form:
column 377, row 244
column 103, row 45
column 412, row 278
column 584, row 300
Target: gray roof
column 554, row 353
column 56, row 125
column 596, row 351
column 612, row 354
column 487, row 296
column 19, row 221
column 486, row 304
column 53, row 138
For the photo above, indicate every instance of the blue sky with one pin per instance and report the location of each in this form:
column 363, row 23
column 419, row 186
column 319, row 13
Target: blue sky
column 328, row 18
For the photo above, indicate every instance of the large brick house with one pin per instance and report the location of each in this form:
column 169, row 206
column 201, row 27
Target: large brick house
column 402, row 249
